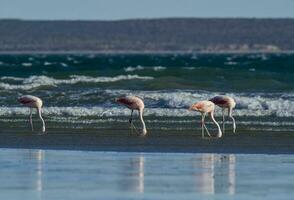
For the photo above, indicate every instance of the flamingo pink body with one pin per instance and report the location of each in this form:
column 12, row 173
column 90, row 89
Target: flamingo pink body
column 33, row 102
column 206, row 107
column 225, row 102
column 134, row 103
column 203, row 107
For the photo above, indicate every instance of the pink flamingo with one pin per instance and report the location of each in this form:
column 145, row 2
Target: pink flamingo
column 134, row 103
column 205, row 107
column 33, row 102
column 225, row 102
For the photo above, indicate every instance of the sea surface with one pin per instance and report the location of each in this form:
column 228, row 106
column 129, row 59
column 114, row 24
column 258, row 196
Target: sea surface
column 78, row 91
column 50, row 174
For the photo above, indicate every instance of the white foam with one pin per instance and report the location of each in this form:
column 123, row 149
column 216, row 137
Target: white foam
column 12, row 78
column 95, row 111
column 255, row 105
column 26, row 64
column 63, row 64
column 69, row 58
column 170, row 105
column 131, row 69
column 38, row 81
column 230, row 63
column 159, row 68
column 121, row 111
column 47, row 63
column 160, row 103
column 140, row 68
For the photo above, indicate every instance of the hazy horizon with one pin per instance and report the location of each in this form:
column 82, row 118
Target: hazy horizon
column 155, row 18
column 151, row 9
column 146, row 18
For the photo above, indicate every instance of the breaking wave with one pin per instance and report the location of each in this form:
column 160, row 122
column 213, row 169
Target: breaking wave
column 140, row 68
column 38, row 81
column 252, row 108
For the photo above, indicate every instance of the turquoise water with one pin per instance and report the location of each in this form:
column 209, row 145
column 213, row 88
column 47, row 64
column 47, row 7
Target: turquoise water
column 79, row 90
column 49, row 174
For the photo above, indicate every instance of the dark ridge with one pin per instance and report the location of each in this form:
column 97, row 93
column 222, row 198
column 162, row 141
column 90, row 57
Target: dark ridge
column 152, row 35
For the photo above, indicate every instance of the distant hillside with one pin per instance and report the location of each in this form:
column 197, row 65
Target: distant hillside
column 148, row 35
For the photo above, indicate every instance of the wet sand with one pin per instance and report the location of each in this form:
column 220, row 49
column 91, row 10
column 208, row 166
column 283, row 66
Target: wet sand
column 50, row 174
column 163, row 141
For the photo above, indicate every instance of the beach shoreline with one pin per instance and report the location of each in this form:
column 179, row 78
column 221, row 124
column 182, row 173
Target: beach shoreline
column 242, row 143
column 86, row 52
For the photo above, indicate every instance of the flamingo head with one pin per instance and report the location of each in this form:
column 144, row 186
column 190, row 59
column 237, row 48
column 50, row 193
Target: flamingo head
column 194, row 107
column 191, row 108
column 119, row 100
column 144, row 132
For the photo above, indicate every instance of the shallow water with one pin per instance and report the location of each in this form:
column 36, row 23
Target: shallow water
column 50, row 174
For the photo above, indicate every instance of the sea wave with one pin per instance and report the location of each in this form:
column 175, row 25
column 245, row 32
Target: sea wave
column 27, row 64
column 94, row 101
column 254, row 104
column 93, row 111
column 38, row 81
column 116, row 111
column 131, row 69
column 140, row 68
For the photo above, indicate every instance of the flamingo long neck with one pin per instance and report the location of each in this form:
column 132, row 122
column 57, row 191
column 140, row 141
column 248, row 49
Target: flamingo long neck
column 144, row 131
column 219, row 134
column 231, row 116
column 40, row 116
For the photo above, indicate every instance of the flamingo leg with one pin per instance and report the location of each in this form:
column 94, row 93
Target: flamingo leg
column 40, row 116
column 202, row 124
column 31, row 119
column 133, row 128
column 230, row 111
column 131, row 122
column 131, row 118
column 207, row 130
column 223, row 114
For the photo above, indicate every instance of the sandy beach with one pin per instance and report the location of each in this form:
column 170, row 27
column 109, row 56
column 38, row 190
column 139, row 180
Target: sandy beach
column 122, row 141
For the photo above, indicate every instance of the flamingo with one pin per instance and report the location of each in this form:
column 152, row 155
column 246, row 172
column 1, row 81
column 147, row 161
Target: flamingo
column 134, row 103
column 225, row 102
column 205, row 107
column 33, row 102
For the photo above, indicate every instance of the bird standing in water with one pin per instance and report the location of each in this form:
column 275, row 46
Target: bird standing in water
column 33, row 102
column 134, row 103
column 225, row 102
column 206, row 107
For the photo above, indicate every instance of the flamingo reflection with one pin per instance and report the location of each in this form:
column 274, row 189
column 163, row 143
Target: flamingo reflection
column 135, row 180
column 39, row 155
column 216, row 174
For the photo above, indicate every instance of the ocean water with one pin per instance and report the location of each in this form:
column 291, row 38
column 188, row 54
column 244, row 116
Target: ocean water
column 79, row 90
column 50, row 174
